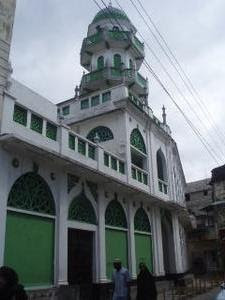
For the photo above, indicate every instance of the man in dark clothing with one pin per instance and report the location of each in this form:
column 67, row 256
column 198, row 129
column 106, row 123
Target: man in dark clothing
column 10, row 289
column 146, row 288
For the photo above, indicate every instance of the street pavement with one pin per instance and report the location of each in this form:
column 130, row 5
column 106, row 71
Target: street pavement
column 212, row 295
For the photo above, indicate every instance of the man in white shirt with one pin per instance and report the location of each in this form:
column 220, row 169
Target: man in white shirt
column 120, row 280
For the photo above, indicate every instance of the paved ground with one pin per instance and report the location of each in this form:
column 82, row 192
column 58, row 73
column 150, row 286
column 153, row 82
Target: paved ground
column 208, row 296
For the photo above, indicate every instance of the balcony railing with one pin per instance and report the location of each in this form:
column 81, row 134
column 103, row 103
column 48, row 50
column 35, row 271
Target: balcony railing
column 139, row 174
column 163, row 186
column 115, row 73
column 114, row 36
column 116, row 164
column 61, row 141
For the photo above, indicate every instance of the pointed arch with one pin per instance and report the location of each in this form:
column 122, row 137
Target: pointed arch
column 81, row 210
column 117, row 61
column 141, row 221
column 31, row 192
column 137, row 141
column 161, row 165
column 115, row 215
column 100, row 62
column 102, row 132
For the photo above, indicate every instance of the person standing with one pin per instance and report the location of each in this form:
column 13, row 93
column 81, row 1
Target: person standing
column 10, row 289
column 120, row 280
column 146, row 288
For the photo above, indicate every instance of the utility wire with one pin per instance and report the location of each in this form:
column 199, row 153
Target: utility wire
column 207, row 146
column 180, row 92
column 184, row 77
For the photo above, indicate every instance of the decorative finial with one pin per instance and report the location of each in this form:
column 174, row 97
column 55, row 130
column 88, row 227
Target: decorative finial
column 97, row 138
column 77, row 90
column 164, row 115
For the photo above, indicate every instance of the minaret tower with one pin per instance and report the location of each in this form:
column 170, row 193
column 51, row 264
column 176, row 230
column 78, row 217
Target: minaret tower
column 7, row 12
column 112, row 55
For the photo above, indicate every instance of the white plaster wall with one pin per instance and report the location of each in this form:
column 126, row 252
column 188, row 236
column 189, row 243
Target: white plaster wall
column 33, row 101
column 115, row 121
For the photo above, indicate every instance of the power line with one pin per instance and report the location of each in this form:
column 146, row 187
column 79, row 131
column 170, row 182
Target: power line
column 184, row 77
column 180, row 92
column 207, row 146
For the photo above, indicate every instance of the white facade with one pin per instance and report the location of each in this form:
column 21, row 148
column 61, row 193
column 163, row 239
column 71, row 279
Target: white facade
column 133, row 187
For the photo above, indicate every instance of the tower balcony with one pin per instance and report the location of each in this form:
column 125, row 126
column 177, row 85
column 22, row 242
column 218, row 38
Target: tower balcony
column 111, row 39
column 110, row 76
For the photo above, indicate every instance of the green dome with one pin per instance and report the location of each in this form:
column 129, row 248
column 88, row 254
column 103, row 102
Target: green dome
column 110, row 13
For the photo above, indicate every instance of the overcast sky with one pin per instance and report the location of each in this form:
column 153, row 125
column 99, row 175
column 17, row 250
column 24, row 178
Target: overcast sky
column 46, row 50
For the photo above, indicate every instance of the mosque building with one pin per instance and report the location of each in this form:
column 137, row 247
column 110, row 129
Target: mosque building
column 93, row 178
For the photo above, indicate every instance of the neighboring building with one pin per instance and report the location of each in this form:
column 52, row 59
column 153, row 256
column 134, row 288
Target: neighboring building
column 218, row 205
column 202, row 239
column 103, row 179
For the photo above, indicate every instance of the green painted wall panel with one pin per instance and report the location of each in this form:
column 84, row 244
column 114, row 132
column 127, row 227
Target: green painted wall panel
column 29, row 248
column 143, row 247
column 116, row 247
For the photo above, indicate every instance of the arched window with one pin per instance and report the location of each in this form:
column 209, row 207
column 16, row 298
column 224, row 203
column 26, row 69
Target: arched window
column 115, row 28
column 117, row 61
column 161, row 165
column 30, row 192
column 143, row 239
column 115, row 216
column 82, row 210
column 101, row 132
column 137, row 141
column 131, row 64
column 100, row 62
column 30, row 230
column 141, row 221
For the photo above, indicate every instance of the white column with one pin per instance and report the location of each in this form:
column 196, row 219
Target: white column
column 62, row 230
column 101, row 236
column 131, row 242
column 157, row 242
column 4, row 192
column 177, row 243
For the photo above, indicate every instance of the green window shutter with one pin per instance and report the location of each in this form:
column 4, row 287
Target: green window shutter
column 141, row 221
column 137, row 141
column 143, row 249
column 115, row 215
column 84, row 104
column 20, row 115
column 82, row 210
column 121, row 167
column 106, row 159
column 51, row 131
column 81, row 147
column 29, row 248
column 91, row 151
column 106, row 97
column 134, row 176
column 113, row 163
column 100, row 63
column 103, row 133
column 36, row 123
column 30, row 192
column 66, row 110
column 117, row 61
column 71, row 141
column 95, row 100
column 116, row 247
column 145, row 179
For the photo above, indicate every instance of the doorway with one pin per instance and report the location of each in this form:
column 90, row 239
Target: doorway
column 80, row 257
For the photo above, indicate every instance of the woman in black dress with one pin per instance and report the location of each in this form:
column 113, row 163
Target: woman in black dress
column 10, row 289
column 146, row 288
